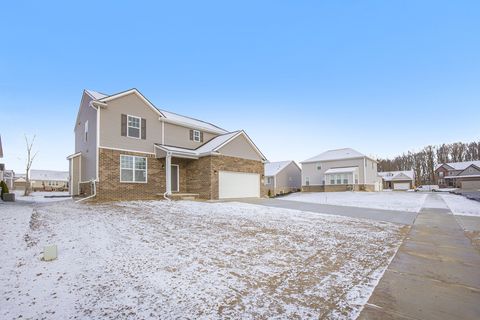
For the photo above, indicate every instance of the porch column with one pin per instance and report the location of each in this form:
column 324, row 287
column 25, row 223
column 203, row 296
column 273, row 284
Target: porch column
column 168, row 173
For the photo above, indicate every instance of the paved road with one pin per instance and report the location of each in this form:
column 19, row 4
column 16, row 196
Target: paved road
column 355, row 212
column 434, row 275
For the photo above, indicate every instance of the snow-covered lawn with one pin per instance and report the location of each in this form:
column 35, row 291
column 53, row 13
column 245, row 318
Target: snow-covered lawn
column 165, row 260
column 41, row 196
column 460, row 205
column 401, row 201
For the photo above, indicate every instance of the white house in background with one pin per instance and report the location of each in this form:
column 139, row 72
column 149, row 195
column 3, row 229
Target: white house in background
column 282, row 177
column 44, row 180
column 398, row 180
column 340, row 170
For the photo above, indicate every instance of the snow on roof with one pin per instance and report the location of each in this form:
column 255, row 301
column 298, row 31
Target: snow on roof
column 49, row 175
column 191, row 121
column 169, row 115
column 460, row 165
column 341, row 170
column 208, row 147
column 391, row 175
column 273, row 168
column 217, row 142
column 336, row 154
column 96, row 95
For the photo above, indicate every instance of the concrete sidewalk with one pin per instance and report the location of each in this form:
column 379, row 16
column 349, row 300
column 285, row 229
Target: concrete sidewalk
column 434, row 275
column 355, row 212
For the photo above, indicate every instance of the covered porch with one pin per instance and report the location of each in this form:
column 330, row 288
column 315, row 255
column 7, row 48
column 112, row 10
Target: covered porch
column 176, row 165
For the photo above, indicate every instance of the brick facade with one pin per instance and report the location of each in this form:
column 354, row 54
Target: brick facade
column 196, row 176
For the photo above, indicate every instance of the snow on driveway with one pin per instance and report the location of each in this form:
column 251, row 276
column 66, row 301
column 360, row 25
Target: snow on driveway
column 401, row 201
column 462, row 206
column 158, row 259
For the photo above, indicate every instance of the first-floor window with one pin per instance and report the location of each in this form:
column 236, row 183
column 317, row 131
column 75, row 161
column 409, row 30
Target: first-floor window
column 133, row 169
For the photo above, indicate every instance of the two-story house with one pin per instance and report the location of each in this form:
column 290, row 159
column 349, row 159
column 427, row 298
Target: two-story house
column 126, row 148
column 465, row 175
column 340, row 170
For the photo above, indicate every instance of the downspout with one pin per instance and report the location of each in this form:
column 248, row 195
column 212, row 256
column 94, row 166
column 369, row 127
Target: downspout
column 168, row 176
column 94, row 191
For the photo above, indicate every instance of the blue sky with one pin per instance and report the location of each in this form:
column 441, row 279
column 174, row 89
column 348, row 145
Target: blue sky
column 300, row 77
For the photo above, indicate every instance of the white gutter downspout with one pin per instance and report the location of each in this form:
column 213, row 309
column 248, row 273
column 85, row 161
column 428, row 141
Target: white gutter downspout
column 168, row 175
column 94, row 191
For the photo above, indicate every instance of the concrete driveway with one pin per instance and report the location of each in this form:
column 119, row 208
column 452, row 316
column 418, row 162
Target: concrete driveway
column 394, row 216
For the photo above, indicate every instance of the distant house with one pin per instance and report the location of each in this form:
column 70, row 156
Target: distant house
column 282, row 177
column 44, row 180
column 398, row 180
column 2, row 166
column 465, row 175
column 340, row 170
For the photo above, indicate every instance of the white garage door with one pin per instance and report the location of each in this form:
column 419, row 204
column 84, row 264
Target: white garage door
column 401, row 185
column 470, row 184
column 238, row 185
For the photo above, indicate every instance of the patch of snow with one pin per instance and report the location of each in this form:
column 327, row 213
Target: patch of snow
column 462, row 206
column 42, row 196
column 159, row 259
column 399, row 201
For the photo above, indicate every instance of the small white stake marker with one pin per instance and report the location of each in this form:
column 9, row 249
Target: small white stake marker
column 50, row 253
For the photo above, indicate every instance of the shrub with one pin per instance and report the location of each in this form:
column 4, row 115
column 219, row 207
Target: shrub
column 269, row 193
column 4, row 188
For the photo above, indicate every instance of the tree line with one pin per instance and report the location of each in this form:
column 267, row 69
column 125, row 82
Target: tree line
column 426, row 160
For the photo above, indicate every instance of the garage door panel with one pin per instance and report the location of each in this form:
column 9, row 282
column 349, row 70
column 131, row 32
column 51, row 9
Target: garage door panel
column 238, row 185
column 401, row 185
column 471, row 184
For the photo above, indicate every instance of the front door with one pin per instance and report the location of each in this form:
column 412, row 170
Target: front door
column 175, row 180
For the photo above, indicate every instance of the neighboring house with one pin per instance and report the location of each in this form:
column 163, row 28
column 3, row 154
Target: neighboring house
column 44, row 180
column 2, row 166
column 9, row 178
column 282, row 177
column 126, row 148
column 340, row 170
column 398, row 180
column 465, row 175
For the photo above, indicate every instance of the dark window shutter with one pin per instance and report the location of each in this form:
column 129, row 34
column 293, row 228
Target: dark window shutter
column 144, row 128
column 201, row 136
column 191, row 134
column 124, row 125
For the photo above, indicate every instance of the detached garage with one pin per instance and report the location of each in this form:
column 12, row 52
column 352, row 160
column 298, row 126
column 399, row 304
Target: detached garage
column 238, row 185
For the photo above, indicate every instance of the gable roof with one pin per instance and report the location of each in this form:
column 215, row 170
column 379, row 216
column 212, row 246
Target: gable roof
column 170, row 116
column 337, row 154
column 397, row 175
column 211, row 146
column 459, row 165
column 274, row 168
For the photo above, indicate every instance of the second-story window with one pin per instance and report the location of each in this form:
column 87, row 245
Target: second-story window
column 196, row 136
column 86, row 131
column 133, row 127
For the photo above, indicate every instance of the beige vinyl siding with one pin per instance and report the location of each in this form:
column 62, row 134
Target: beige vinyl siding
column 88, row 148
column 371, row 172
column 290, row 178
column 240, row 148
column 74, row 175
column 179, row 136
column 110, row 124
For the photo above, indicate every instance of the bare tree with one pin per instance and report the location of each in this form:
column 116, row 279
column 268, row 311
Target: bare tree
column 29, row 162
